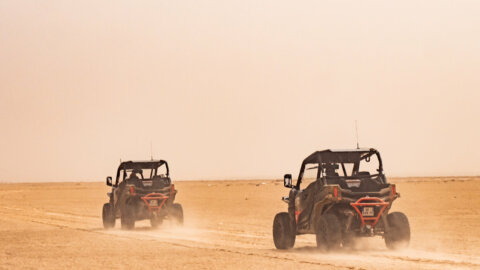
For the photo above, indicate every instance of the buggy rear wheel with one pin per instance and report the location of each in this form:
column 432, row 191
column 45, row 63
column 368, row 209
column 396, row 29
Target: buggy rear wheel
column 328, row 232
column 176, row 214
column 128, row 217
column 108, row 217
column 283, row 231
column 398, row 235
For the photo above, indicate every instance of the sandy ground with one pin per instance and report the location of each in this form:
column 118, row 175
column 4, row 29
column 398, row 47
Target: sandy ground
column 227, row 226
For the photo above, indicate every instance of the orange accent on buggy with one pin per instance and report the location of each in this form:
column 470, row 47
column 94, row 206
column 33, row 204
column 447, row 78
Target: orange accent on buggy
column 297, row 213
column 394, row 192
column 372, row 221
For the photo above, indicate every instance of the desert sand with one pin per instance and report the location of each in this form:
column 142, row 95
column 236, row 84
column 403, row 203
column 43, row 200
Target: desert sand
column 228, row 225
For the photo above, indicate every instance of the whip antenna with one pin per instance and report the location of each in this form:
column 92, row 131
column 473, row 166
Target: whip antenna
column 356, row 131
column 151, row 151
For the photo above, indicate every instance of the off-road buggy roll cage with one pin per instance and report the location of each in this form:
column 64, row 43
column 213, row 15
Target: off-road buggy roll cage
column 147, row 193
column 154, row 165
column 329, row 157
column 339, row 205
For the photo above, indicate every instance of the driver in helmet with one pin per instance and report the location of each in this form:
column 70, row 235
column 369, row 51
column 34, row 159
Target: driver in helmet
column 331, row 170
column 134, row 174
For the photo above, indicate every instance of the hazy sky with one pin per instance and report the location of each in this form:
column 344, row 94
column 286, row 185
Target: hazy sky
column 236, row 89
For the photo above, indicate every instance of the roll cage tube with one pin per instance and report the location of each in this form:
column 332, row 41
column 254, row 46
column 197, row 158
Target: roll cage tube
column 369, row 153
column 129, row 165
column 300, row 176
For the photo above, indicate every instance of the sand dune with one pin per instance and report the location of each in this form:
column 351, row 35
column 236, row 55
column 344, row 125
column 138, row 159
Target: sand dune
column 228, row 226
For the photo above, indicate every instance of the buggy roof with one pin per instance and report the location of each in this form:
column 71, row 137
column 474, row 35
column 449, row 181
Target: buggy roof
column 339, row 156
column 151, row 164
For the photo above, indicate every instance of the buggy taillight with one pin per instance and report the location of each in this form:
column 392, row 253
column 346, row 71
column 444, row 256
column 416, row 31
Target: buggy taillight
column 132, row 190
column 393, row 193
column 335, row 192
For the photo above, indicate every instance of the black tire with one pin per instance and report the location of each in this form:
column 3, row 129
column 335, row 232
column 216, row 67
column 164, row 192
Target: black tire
column 108, row 217
column 398, row 235
column 176, row 214
column 283, row 231
column 328, row 231
column 155, row 222
column 128, row 217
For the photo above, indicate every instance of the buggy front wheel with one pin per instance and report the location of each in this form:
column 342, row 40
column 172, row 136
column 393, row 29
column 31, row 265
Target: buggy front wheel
column 108, row 216
column 283, row 231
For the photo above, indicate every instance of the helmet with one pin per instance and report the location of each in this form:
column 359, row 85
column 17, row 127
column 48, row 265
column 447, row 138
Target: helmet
column 135, row 171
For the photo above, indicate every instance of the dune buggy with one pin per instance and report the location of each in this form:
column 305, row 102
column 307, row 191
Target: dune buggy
column 346, row 196
column 142, row 190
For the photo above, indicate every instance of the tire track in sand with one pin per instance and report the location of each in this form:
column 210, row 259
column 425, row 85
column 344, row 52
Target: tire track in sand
column 215, row 241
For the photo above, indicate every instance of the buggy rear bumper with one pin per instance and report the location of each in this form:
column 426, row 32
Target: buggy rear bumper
column 154, row 201
column 377, row 204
